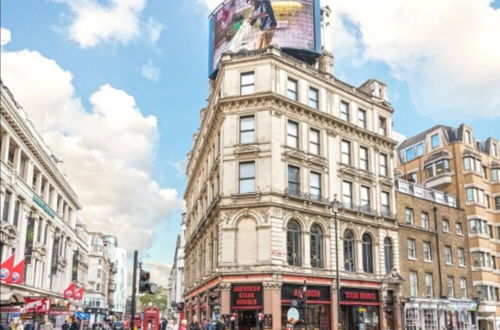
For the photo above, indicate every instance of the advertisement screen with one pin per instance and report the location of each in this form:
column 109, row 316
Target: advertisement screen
column 239, row 25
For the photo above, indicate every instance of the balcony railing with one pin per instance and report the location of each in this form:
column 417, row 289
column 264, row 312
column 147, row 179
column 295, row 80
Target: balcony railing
column 425, row 193
column 292, row 192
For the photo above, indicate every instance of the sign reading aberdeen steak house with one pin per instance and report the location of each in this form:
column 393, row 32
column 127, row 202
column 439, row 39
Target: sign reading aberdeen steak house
column 246, row 296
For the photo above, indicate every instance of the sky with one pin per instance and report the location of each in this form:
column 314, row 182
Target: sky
column 115, row 88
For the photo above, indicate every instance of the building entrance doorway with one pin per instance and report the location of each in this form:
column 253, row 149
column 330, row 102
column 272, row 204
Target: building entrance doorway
column 247, row 320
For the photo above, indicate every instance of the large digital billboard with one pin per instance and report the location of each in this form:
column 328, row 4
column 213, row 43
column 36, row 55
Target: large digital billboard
column 239, row 25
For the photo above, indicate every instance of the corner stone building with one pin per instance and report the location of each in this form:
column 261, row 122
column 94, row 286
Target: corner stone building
column 435, row 260
column 278, row 141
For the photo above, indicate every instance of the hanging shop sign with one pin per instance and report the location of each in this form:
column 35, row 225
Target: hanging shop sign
column 315, row 293
column 292, row 315
column 358, row 296
column 246, row 296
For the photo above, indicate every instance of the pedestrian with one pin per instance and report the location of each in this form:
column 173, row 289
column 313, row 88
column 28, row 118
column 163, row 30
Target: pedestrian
column 183, row 325
column 48, row 325
column 194, row 325
column 19, row 325
column 74, row 325
column 65, row 325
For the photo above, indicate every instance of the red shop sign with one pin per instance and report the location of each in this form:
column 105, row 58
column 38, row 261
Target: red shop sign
column 246, row 296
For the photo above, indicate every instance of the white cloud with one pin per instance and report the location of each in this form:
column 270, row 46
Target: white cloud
column 4, row 36
column 153, row 29
column 447, row 51
column 94, row 22
column 107, row 150
column 150, row 71
column 159, row 272
column 180, row 167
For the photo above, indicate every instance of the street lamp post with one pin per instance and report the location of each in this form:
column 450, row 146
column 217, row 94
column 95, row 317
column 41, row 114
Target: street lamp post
column 335, row 210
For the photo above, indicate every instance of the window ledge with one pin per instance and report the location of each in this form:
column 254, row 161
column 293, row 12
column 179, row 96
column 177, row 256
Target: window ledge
column 428, row 261
column 413, row 259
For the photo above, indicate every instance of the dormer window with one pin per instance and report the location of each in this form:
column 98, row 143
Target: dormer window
column 435, row 141
column 468, row 137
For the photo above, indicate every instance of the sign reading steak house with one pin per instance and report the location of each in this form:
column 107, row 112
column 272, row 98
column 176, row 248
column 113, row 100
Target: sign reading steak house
column 246, row 296
column 358, row 295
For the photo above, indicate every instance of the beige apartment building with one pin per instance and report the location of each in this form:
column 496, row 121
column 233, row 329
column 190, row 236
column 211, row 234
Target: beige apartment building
column 278, row 141
column 454, row 161
column 435, row 260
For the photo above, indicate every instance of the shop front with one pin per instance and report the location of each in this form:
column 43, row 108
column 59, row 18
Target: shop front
column 430, row 314
column 318, row 306
column 246, row 305
column 359, row 309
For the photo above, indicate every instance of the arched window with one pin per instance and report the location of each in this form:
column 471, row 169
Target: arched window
column 293, row 243
column 388, row 255
column 367, row 253
column 316, row 246
column 349, row 256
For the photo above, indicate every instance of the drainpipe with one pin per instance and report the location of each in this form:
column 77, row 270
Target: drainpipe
column 434, row 209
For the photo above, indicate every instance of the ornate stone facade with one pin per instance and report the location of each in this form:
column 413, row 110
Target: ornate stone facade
column 278, row 142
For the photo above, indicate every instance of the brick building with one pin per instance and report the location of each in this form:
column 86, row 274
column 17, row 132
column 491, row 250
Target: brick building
column 454, row 161
column 435, row 259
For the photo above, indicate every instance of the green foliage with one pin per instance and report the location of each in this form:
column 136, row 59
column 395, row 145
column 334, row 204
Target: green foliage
column 158, row 299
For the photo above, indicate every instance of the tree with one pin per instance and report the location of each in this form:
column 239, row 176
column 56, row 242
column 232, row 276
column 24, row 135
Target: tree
column 158, row 299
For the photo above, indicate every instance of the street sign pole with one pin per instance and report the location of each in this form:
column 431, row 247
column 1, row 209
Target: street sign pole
column 134, row 277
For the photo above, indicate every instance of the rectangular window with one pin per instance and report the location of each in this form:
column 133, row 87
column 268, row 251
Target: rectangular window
column 247, row 83
column 420, row 149
column 429, row 290
column 497, row 203
column 427, row 251
column 446, row 226
column 347, row 194
column 315, row 188
column 468, row 161
column 314, row 141
column 409, row 216
column 6, row 206
column 362, row 118
column 458, row 228
column 293, row 180
column 467, row 134
column 410, row 154
column 365, row 198
column 384, row 203
column 344, row 111
column 470, row 194
column 495, row 174
column 424, row 220
column 293, row 134
column 313, row 98
column 447, row 255
column 412, row 251
column 292, row 89
column 450, row 286
column 363, row 158
column 463, row 288
column 346, row 152
column 383, row 165
column 382, row 126
column 99, row 273
column 461, row 256
column 413, row 284
column 247, row 129
column 16, row 213
column 435, row 141
column 247, row 177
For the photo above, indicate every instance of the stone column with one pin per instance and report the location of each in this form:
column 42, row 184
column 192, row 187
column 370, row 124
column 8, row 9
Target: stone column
column 334, row 315
column 359, row 255
column 17, row 161
column 225, row 298
column 6, row 146
column 272, row 302
column 397, row 310
column 306, row 261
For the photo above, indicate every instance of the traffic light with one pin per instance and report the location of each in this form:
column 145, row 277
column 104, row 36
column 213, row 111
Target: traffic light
column 144, row 285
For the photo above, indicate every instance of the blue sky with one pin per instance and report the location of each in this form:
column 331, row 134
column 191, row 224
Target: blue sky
column 162, row 65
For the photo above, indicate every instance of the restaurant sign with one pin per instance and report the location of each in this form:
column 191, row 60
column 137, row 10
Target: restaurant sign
column 246, row 296
column 315, row 293
column 350, row 295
